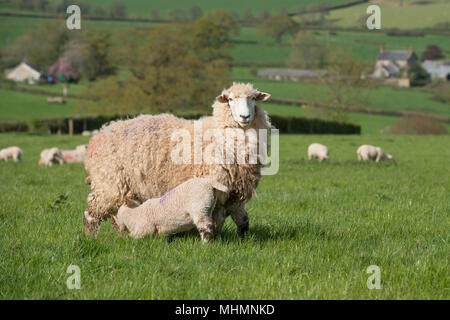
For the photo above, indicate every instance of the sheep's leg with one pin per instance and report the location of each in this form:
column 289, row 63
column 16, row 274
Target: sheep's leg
column 240, row 218
column 219, row 216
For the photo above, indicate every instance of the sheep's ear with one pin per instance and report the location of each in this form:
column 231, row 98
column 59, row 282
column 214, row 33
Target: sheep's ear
column 130, row 203
column 262, row 96
column 222, row 98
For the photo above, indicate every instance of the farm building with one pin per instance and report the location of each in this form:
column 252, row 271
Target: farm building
column 287, row 74
column 437, row 69
column 25, row 71
column 393, row 65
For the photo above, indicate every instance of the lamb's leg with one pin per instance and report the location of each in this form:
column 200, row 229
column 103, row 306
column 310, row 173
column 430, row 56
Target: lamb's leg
column 203, row 221
column 240, row 217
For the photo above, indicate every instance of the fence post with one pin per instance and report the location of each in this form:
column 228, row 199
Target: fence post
column 71, row 127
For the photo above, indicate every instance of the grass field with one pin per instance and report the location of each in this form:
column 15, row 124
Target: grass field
column 26, row 106
column 314, row 230
column 406, row 17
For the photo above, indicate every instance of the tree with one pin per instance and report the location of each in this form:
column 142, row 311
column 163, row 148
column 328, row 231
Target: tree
column 306, row 52
column 417, row 75
column 278, row 26
column 41, row 46
column 432, row 52
column 224, row 20
column 168, row 70
column 96, row 55
column 344, row 81
column 195, row 12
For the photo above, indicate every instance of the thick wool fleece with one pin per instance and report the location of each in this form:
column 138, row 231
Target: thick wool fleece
column 183, row 208
column 14, row 153
column 368, row 152
column 132, row 159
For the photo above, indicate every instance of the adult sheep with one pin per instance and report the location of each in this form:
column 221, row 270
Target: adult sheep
column 134, row 158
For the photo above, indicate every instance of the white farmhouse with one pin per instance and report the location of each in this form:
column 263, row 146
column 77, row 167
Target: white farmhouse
column 24, row 72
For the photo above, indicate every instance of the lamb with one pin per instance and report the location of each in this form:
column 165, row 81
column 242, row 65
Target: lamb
column 134, row 158
column 368, row 152
column 51, row 156
column 11, row 152
column 74, row 156
column 317, row 150
column 183, row 208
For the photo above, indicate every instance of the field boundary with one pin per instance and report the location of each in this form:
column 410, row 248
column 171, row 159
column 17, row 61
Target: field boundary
column 398, row 113
column 285, row 101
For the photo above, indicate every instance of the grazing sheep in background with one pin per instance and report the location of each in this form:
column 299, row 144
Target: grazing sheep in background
column 89, row 133
column 11, row 152
column 317, row 150
column 75, row 156
column 188, row 206
column 132, row 159
column 51, row 156
column 368, row 152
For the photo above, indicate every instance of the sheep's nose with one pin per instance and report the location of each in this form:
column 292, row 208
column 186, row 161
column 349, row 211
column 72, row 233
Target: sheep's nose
column 245, row 117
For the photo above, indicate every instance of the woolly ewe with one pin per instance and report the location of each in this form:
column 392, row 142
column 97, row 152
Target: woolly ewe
column 132, row 159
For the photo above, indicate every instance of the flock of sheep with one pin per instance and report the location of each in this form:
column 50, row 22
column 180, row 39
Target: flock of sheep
column 49, row 157
column 136, row 185
column 364, row 152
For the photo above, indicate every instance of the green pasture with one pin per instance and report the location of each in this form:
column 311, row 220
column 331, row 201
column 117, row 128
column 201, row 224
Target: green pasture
column 315, row 228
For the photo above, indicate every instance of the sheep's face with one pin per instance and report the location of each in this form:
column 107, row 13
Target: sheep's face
column 243, row 105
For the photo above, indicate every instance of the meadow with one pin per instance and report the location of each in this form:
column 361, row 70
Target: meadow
column 412, row 15
column 314, row 230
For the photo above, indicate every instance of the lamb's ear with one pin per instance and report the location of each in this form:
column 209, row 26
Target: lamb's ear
column 222, row 98
column 130, row 203
column 262, row 96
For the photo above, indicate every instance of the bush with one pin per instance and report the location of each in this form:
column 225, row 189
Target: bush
column 417, row 124
column 13, row 126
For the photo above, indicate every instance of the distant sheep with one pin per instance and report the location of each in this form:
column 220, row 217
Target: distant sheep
column 89, row 133
column 75, row 156
column 51, row 156
column 317, row 150
column 11, row 152
column 132, row 159
column 368, row 152
column 188, row 206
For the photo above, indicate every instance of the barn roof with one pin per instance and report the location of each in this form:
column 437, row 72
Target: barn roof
column 394, row 55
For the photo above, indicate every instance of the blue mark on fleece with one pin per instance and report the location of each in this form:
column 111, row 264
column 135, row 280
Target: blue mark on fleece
column 167, row 195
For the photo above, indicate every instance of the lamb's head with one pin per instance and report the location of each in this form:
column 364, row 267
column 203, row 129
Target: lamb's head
column 241, row 99
column 387, row 156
